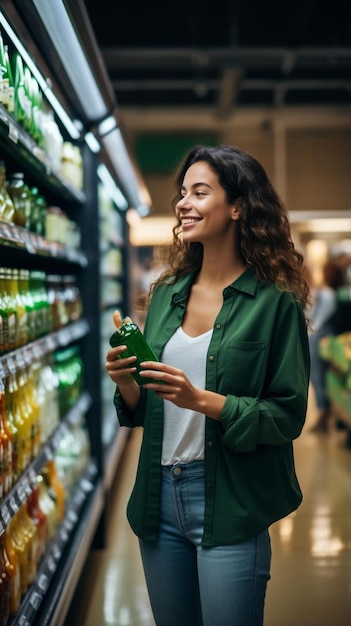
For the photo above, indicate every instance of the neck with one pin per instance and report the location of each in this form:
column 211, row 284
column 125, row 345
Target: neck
column 220, row 268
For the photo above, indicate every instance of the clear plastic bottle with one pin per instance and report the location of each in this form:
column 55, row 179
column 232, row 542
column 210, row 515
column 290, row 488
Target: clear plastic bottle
column 19, row 194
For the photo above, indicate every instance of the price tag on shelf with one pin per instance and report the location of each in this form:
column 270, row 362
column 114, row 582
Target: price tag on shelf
column 5, row 516
column 19, row 360
column 37, row 351
column 50, row 343
column 63, row 534
column 43, row 582
column 20, row 492
column 26, row 486
column 50, row 562
column 13, row 506
column 35, row 599
column 11, row 365
column 56, row 552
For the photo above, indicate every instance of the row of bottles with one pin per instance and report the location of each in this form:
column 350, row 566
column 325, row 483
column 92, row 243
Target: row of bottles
column 21, row 95
column 26, row 207
column 33, row 304
column 33, row 400
column 24, row 541
column 26, row 537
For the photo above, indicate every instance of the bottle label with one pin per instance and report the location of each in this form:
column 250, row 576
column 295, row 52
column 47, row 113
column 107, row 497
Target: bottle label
column 11, row 99
column 4, row 88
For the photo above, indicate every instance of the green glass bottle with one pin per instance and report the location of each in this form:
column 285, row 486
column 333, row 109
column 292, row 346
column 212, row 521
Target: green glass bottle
column 20, row 93
column 3, row 79
column 130, row 335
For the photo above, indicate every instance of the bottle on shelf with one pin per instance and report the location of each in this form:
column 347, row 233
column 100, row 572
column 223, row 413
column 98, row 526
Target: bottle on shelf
column 19, row 194
column 7, row 208
column 3, row 79
column 21, row 105
column 30, row 530
column 15, row 582
column 6, row 443
column 48, row 505
column 11, row 84
column 57, row 486
column 39, row 518
column 7, row 573
column 27, row 299
column 22, row 317
column 13, row 428
column 38, row 212
column 8, row 312
column 23, row 443
column 20, row 545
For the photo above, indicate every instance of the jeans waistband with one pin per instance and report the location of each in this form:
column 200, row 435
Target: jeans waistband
column 193, row 469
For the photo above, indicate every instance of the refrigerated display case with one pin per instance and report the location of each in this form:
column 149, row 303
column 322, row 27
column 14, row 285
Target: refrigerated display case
column 80, row 256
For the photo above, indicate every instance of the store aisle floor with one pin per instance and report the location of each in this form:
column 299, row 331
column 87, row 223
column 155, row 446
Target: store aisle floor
column 311, row 565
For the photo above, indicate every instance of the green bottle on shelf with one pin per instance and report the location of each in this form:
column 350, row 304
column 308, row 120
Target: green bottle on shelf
column 10, row 96
column 20, row 93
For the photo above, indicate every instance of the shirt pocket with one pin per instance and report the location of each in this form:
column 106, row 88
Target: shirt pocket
column 244, row 368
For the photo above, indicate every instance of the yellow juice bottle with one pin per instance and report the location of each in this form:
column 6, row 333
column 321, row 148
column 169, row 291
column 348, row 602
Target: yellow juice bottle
column 15, row 584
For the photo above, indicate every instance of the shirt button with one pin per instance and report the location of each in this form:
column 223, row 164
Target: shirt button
column 218, row 326
column 211, row 358
column 208, row 485
column 210, row 443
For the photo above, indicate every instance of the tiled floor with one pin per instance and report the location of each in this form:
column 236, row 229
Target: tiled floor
column 311, row 566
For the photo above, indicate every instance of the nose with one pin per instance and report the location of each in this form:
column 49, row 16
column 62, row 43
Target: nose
column 183, row 203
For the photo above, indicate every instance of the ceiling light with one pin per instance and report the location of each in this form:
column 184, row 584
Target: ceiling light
column 111, row 188
column 119, row 157
column 69, row 49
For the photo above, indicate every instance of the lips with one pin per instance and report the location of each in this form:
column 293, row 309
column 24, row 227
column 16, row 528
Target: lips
column 188, row 221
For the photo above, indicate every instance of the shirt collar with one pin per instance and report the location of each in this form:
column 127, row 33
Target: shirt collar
column 246, row 282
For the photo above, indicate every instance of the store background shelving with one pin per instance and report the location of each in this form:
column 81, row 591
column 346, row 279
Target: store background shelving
column 101, row 268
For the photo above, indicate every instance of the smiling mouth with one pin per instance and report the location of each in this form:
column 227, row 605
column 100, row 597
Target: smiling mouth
column 190, row 220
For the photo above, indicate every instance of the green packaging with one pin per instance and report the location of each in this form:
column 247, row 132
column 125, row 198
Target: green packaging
column 130, row 335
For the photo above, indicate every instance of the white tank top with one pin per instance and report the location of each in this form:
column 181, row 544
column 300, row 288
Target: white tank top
column 184, row 430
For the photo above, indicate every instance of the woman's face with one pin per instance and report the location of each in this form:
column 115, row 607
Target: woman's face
column 203, row 210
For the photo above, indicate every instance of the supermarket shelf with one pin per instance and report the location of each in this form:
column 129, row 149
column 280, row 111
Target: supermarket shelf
column 21, row 147
column 22, row 240
column 48, row 599
column 24, row 485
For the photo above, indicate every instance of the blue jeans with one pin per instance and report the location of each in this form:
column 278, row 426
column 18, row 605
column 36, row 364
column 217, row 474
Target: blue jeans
column 189, row 585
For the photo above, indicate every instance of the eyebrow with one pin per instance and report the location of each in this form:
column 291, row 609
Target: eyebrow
column 196, row 185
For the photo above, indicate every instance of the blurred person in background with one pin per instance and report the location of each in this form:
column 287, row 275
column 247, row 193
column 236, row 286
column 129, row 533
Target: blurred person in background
column 323, row 321
column 227, row 323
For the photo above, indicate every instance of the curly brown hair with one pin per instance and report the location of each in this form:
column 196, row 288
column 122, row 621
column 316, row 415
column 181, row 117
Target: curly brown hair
column 265, row 240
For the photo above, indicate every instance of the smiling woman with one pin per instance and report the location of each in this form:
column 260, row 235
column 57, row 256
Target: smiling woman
column 226, row 322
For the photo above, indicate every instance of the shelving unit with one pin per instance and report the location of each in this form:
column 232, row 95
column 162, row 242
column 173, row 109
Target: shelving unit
column 101, row 261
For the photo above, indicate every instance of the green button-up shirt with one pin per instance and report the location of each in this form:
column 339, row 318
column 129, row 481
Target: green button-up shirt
column 258, row 358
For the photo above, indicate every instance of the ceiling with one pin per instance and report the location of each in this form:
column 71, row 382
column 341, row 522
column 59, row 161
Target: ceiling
column 245, row 53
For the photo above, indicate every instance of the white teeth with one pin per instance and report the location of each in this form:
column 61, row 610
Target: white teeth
column 189, row 220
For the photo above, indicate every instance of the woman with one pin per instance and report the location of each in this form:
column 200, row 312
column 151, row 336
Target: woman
column 216, row 464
